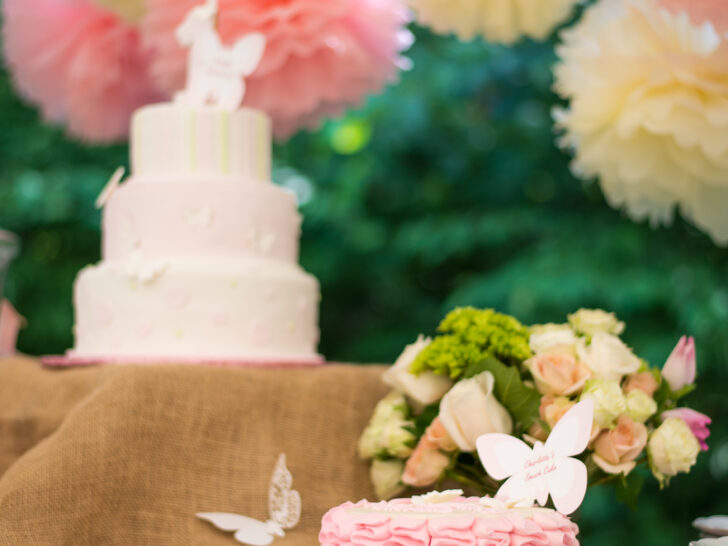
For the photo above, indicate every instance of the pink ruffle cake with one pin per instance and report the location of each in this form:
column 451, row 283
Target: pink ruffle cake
column 459, row 522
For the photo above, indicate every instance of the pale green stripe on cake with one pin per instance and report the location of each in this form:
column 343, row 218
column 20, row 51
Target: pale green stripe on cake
column 225, row 142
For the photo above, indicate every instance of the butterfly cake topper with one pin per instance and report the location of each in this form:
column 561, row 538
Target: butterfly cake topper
column 284, row 507
column 546, row 469
column 215, row 72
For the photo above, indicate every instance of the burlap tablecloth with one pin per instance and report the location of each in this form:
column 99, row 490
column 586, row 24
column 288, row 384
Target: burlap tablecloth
column 127, row 455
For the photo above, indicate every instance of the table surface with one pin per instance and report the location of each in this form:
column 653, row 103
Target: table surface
column 128, row 454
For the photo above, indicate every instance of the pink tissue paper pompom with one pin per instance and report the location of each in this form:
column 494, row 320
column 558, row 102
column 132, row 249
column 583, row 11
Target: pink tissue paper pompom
column 701, row 11
column 321, row 57
column 79, row 63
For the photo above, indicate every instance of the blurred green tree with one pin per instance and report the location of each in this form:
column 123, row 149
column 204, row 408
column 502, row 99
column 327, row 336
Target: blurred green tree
column 445, row 190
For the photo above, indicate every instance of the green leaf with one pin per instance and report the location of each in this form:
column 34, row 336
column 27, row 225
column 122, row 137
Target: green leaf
column 425, row 418
column 662, row 396
column 628, row 489
column 681, row 393
column 521, row 401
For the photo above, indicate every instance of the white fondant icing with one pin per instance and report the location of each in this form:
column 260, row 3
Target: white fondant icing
column 256, row 327
column 166, row 220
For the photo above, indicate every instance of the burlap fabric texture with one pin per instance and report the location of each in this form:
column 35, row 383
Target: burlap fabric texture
column 128, row 454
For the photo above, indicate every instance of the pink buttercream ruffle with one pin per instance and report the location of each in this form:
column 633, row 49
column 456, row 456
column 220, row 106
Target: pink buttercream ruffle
column 401, row 523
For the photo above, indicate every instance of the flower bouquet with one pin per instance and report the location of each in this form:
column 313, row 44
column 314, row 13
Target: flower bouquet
column 486, row 372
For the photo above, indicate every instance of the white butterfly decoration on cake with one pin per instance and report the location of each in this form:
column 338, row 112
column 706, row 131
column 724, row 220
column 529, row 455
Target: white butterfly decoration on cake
column 215, row 72
column 547, row 468
column 284, row 507
column 110, row 188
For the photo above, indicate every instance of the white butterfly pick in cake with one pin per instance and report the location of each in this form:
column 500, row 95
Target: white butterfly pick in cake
column 284, row 506
column 200, row 249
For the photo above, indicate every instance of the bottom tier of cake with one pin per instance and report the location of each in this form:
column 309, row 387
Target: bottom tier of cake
column 227, row 310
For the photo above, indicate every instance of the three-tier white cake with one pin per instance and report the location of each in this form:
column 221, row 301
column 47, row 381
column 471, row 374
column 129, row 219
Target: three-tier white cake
column 200, row 249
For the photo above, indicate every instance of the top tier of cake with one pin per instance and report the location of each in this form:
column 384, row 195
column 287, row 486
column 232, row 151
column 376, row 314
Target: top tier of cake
column 170, row 140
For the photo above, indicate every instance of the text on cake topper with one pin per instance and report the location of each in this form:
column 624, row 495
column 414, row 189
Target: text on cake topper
column 284, row 507
column 546, row 469
column 215, row 72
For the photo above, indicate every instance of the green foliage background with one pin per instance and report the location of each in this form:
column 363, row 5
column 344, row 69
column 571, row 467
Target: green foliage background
column 445, row 190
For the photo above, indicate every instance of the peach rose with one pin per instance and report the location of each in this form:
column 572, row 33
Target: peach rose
column 438, row 436
column 426, row 464
column 615, row 450
column 643, row 381
column 553, row 409
column 558, row 374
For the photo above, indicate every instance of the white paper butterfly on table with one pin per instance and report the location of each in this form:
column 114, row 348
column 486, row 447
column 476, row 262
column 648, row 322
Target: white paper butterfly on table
column 546, row 469
column 284, row 507
column 215, row 72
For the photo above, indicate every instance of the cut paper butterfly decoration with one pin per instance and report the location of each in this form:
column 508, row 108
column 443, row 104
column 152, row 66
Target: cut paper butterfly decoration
column 215, row 72
column 111, row 186
column 547, row 469
column 284, row 507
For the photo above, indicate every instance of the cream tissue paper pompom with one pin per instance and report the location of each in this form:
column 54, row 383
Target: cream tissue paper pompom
column 502, row 21
column 647, row 82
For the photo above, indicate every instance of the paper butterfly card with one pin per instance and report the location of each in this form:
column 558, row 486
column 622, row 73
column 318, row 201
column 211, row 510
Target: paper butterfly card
column 546, row 469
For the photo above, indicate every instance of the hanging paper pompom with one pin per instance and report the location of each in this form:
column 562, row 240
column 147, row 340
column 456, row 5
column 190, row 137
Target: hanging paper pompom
column 501, row 21
column 700, row 12
column 322, row 56
column 648, row 116
column 81, row 64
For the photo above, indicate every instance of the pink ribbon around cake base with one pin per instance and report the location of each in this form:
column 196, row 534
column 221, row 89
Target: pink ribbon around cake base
column 70, row 359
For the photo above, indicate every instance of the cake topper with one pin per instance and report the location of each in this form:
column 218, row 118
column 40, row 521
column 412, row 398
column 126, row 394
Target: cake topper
column 284, row 506
column 546, row 469
column 215, row 72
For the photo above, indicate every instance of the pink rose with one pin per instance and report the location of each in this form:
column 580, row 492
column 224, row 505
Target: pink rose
column 680, row 368
column 426, row 464
column 643, row 381
column 615, row 450
column 697, row 422
column 558, row 374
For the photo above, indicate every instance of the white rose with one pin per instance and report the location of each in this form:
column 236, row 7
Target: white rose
column 387, row 431
column 392, row 406
column 608, row 357
column 387, row 478
column 553, row 338
column 672, row 448
column 424, row 388
column 609, row 401
column 470, row 410
column 640, row 406
column 591, row 321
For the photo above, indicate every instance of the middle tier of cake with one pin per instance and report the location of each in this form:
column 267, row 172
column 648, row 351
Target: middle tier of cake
column 197, row 310
column 212, row 217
